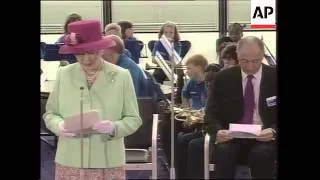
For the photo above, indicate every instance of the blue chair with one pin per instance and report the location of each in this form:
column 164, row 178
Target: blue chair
column 151, row 45
column 135, row 47
column 68, row 57
column 42, row 46
column 270, row 60
column 51, row 53
column 185, row 47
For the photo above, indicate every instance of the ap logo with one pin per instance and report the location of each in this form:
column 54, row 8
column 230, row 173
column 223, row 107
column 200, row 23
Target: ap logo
column 263, row 14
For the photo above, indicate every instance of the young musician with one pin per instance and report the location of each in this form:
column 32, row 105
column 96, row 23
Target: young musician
column 194, row 92
column 235, row 31
column 126, row 30
column 220, row 44
column 170, row 31
column 70, row 18
column 190, row 155
column 229, row 56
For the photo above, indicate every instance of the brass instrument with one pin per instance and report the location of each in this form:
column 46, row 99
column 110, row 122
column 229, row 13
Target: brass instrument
column 189, row 117
column 148, row 67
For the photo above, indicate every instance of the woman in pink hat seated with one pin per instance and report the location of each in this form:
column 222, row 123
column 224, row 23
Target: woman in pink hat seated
column 101, row 86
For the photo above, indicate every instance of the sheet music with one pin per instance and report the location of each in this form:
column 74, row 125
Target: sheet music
column 169, row 48
column 163, row 65
column 73, row 123
column 244, row 130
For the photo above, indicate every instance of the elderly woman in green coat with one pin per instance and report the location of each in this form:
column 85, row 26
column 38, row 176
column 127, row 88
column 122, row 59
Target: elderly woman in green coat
column 104, row 87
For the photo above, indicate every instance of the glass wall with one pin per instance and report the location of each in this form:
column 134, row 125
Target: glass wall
column 198, row 16
column 198, row 20
column 54, row 13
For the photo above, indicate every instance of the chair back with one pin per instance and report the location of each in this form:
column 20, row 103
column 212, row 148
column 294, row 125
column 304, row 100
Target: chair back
column 70, row 58
column 151, row 45
column 141, row 139
column 185, row 47
column 135, row 47
column 51, row 53
column 42, row 46
column 270, row 60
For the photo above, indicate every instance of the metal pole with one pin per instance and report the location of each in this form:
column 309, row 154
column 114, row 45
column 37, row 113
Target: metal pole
column 172, row 169
column 81, row 133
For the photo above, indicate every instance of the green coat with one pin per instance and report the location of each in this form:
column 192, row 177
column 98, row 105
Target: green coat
column 113, row 95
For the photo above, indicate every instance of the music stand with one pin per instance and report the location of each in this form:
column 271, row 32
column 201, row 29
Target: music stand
column 164, row 66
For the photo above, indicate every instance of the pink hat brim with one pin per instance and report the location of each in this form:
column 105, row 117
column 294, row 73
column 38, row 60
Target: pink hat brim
column 87, row 47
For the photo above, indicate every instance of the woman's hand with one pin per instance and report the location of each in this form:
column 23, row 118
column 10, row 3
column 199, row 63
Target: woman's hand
column 104, row 127
column 63, row 132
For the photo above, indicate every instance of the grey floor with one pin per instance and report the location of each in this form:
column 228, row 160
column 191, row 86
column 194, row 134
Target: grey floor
column 47, row 165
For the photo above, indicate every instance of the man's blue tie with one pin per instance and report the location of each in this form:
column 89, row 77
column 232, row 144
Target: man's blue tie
column 248, row 102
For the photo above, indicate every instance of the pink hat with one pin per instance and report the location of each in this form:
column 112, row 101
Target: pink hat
column 85, row 36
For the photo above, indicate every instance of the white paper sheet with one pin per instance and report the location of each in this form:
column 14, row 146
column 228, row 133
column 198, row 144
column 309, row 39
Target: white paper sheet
column 73, row 123
column 244, row 130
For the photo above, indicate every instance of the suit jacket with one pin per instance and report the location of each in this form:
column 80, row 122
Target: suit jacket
column 225, row 104
column 113, row 95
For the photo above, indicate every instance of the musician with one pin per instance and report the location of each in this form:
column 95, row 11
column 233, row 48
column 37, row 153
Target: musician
column 73, row 17
column 170, row 31
column 244, row 94
column 112, row 29
column 235, row 31
column 210, row 73
column 190, row 155
column 131, row 43
column 220, row 44
column 194, row 92
column 126, row 30
column 115, row 55
column 107, row 88
column 115, row 29
column 229, row 56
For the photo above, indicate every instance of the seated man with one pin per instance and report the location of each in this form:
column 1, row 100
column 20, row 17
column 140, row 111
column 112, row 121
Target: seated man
column 116, row 56
column 194, row 92
column 244, row 94
column 190, row 158
column 115, row 29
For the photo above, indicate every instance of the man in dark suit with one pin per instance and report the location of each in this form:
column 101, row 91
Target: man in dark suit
column 244, row 94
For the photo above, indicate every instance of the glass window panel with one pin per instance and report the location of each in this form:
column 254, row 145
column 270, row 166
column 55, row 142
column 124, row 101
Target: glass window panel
column 54, row 13
column 148, row 16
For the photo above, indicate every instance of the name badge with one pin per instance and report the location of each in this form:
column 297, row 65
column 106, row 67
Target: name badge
column 271, row 101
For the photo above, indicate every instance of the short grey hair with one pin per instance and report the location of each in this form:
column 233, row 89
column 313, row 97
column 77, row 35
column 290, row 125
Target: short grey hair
column 112, row 26
column 251, row 40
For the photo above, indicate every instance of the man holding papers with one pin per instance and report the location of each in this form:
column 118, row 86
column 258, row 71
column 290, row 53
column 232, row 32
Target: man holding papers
column 245, row 97
column 93, row 97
